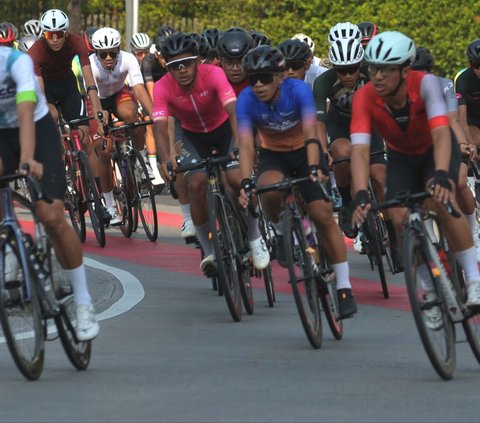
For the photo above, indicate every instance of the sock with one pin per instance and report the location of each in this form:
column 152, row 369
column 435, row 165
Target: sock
column 253, row 229
column 346, row 194
column 468, row 260
column 205, row 241
column 108, row 196
column 186, row 211
column 98, row 184
column 78, row 279
column 152, row 159
column 342, row 273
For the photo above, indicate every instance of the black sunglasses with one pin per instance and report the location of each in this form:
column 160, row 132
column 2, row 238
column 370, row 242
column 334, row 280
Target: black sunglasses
column 294, row 64
column 351, row 70
column 103, row 54
column 181, row 64
column 264, row 78
column 475, row 65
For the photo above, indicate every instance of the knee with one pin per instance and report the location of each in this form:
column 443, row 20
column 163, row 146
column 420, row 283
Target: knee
column 196, row 187
column 341, row 150
column 53, row 218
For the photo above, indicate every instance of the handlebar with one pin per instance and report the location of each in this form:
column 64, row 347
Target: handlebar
column 347, row 159
column 129, row 126
column 74, row 123
column 288, row 183
column 37, row 192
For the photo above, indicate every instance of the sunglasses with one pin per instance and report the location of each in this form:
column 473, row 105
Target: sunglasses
column 230, row 64
column 103, row 54
column 53, row 35
column 344, row 71
column 386, row 71
column 294, row 64
column 264, row 78
column 179, row 64
column 475, row 65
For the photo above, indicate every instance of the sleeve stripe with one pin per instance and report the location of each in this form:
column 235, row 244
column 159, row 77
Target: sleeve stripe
column 228, row 101
column 26, row 96
column 437, row 121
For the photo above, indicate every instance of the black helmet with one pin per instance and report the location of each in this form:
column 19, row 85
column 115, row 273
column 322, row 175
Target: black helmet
column 178, row 43
column 212, row 35
column 203, row 46
column 294, row 49
column 423, row 59
column 165, row 31
column 368, row 30
column 260, row 39
column 263, row 59
column 234, row 43
column 473, row 51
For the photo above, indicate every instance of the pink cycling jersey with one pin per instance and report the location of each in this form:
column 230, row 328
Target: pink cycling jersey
column 200, row 109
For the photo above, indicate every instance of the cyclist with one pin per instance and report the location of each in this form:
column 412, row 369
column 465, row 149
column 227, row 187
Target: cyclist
column 283, row 113
column 259, row 39
column 200, row 97
column 29, row 136
column 407, row 108
column 317, row 61
column 25, row 43
column 339, row 85
column 424, row 62
column 368, row 31
column 212, row 35
column 232, row 46
column 7, row 35
column 32, row 28
column 297, row 61
column 344, row 30
column 140, row 44
column 111, row 67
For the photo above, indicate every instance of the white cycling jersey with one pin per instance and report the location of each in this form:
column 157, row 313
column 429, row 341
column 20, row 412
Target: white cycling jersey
column 110, row 82
column 18, row 83
column 312, row 74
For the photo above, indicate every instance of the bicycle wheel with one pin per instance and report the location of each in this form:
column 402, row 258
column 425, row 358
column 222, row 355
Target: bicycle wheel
column 383, row 235
column 120, row 193
column 429, row 308
column 374, row 247
column 94, row 204
column 225, row 256
column 20, row 313
column 268, row 234
column 327, row 289
column 269, row 288
column 73, row 201
column 147, row 208
column 300, row 261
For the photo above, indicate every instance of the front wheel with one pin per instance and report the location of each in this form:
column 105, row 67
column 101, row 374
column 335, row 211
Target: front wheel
column 429, row 307
column 300, row 260
column 120, row 192
column 329, row 298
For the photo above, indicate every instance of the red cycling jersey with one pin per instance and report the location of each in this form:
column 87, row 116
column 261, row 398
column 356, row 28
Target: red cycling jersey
column 427, row 110
column 51, row 64
column 200, row 109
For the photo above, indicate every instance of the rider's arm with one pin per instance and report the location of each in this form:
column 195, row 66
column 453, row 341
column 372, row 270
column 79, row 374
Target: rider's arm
column 92, row 93
column 244, row 113
column 232, row 117
column 462, row 118
column 149, row 87
column 461, row 94
column 143, row 97
column 320, row 96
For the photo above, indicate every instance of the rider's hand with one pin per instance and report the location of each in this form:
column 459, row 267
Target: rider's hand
column 361, row 206
column 35, row 168
column 247, row 187
column 329, row 158
column 441, row 187
column 162, row 167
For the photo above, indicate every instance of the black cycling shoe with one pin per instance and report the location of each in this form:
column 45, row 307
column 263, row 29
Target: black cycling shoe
column 346, row 303
column 397, row 259
column 280, row 251
column 345, row 222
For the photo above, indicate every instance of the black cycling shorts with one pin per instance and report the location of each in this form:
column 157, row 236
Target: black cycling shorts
column 410, row 173
column 64, row 92
column 292, row 164
column 47, row 151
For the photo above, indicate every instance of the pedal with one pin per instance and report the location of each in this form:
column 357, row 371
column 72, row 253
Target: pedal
column 190, row 240
column 210, row 272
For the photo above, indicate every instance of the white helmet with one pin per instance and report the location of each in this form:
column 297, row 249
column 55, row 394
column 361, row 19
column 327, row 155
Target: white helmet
column 390, row 48
column 54, row 20
column 105, row 38
column 344, row 30
column 306, row 39
column 140, row 41
column 25, row 43
column 345, row 52
column 32, row 28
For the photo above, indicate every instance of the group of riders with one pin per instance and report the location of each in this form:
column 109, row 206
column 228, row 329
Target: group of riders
column 289, row 113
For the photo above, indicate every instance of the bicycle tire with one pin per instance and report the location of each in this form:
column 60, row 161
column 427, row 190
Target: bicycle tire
column 120, row 193
column 94, row 203
column 329, row 299
column 374, row 249
column 439, row 343
column 73, row 201
column 20, row 316
column 147, row 208
column 383, row 235
column 269, row 287
column 224, row 248
column 267, row 232
column 302, row 278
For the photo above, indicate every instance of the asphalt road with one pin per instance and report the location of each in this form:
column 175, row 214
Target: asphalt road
column 169, row 351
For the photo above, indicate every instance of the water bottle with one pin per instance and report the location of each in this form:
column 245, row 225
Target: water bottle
column 308, row 232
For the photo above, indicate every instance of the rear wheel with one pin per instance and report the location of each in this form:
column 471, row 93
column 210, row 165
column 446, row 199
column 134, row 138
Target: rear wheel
column 268, row 234
column 20, row 313
column 327, row 288
column 300, row 260
column 429, row 308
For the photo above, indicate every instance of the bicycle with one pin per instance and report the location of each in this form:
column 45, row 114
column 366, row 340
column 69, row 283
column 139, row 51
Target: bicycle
column 229, row 236
column 133, row 190
column 310, row 275
column 82, row 192
column 439, row 302
column 36, row 292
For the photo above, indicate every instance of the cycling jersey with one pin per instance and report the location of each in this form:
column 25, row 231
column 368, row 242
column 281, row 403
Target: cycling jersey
column 110, row 82
column 313, row 73
column 279, row 124
column 238, row 88
column 448, row 92
column 329, row 86
column 426, row 110
column 200, row 109
column 18, row 84
column 152, row 71
column 51, row 64
column 467, row 87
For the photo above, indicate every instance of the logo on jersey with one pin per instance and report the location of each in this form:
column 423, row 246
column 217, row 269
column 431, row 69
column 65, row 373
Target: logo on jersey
column 7, row 89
